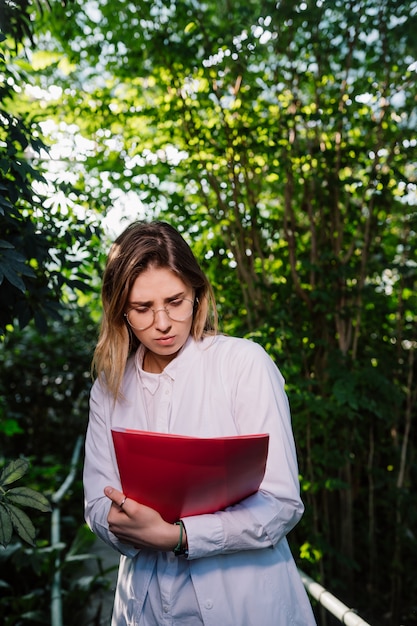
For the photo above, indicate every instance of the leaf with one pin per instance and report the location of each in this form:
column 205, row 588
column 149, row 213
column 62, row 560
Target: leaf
column 12, row 255
column 77, row 284
column 22, row 524
column 190, row 27
column 13, row 471
column 6, row 245
column 13, row 278
column 24, row 496
column 10, row 426
column 6, row 528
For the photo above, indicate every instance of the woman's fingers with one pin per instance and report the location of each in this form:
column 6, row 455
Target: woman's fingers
column 116, row 496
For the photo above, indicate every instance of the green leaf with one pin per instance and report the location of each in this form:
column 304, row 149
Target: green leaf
column 13, row 278
column 13, row 471
column 24, row 496
column 10, row 426
column 6, row 527
column 190, row 27
column 22, row 524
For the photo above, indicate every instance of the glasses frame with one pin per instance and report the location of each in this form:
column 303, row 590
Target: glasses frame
column 155, row 311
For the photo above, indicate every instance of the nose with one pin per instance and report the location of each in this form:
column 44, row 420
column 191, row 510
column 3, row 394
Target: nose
column 162, row 320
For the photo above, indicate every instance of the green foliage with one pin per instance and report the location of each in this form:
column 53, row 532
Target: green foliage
column 280, row 139
column 11, row 515
column 46, row 249
column 26, row 580
column 45, row 385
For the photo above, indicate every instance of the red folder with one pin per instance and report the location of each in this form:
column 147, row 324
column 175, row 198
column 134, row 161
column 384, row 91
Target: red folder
column 180, row 476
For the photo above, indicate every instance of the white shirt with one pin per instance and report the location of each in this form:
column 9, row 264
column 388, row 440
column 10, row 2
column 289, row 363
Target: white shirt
column 240, row 566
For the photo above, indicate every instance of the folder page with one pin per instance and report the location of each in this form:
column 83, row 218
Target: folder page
column 180, row 476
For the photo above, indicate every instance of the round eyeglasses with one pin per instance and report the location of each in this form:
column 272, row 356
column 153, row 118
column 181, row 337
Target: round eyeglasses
column 142, row 317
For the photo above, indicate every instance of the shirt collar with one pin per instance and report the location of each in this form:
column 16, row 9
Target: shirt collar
column 151, row 381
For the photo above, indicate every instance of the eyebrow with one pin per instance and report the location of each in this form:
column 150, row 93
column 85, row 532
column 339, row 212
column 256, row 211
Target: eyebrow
column 149, row 303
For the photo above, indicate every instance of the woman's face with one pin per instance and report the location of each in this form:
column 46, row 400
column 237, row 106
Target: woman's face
column 160, row 290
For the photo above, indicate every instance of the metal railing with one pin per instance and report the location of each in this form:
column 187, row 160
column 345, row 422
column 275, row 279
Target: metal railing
column 56, row 591
column 343, row 613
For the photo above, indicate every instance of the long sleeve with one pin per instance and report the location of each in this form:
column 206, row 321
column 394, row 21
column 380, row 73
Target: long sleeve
column 259, row 404
column 100, row 469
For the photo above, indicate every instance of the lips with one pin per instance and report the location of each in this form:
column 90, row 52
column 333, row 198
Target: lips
column 165, row 341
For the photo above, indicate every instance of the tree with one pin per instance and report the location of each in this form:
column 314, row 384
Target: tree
column 280, row 138
column 42, row 243
column 44, row 252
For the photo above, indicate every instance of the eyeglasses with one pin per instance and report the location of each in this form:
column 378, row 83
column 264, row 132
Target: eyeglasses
column 142, row 317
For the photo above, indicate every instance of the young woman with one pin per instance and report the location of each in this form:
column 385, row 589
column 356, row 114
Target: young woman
column 161, row 367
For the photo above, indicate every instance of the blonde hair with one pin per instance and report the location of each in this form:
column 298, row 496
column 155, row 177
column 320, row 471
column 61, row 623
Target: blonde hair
column 141, row 245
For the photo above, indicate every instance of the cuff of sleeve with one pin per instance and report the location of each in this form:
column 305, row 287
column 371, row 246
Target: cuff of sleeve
column 277, row 521
column 205, row 535
column 103, row 533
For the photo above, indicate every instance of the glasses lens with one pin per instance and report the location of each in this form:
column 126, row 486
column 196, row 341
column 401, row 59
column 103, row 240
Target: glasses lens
column 180, row 310
column 142, row 318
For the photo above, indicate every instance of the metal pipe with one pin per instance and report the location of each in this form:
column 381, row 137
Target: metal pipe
column 343, row 613
column 56, row 591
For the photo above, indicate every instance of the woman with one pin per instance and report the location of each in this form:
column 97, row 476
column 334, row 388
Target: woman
column 161, row 367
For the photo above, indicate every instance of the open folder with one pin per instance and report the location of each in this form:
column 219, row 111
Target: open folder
column 180, row 476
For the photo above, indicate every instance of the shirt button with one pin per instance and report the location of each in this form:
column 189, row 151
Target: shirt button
column 208, row 604
column 166, row 608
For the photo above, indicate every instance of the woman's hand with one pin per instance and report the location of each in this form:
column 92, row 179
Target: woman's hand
column 140, row 525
